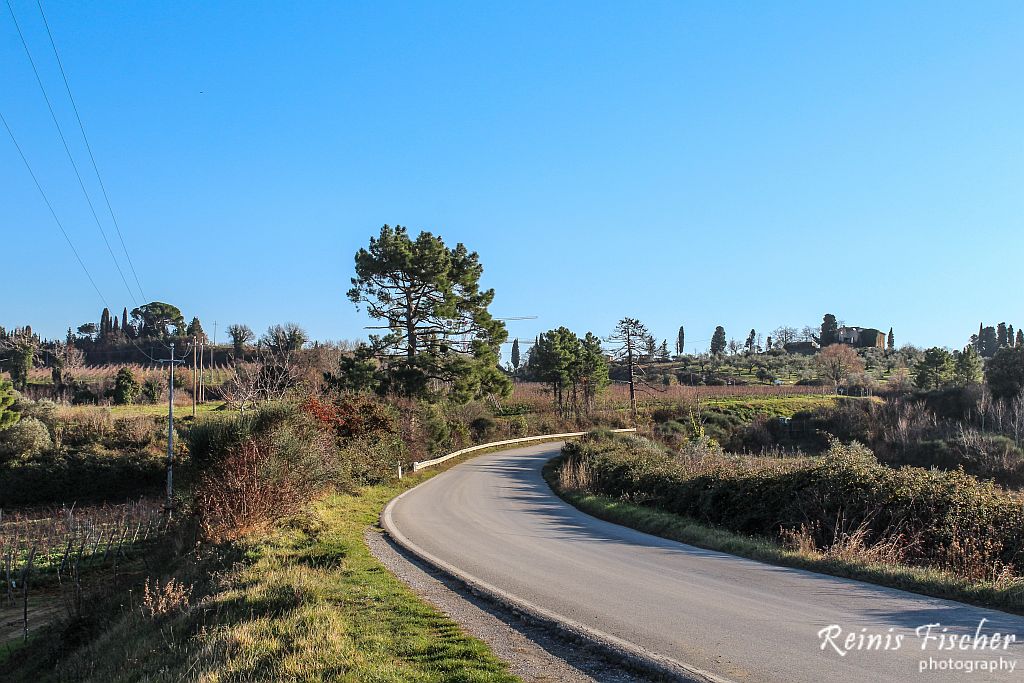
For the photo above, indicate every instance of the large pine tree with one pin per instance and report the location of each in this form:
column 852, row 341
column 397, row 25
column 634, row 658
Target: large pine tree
column 433, row 315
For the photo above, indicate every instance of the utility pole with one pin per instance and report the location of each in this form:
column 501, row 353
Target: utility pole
column 169, row 505
column 202, row 378
column 194, row 376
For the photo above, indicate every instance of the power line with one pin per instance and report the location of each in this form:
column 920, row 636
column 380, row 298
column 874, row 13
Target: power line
column 88, row 147
column 60, row 225
column 53, row 213
column 67, row 149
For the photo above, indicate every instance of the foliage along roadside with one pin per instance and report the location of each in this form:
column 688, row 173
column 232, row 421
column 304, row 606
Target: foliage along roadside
column 305, row 600
column 975, row 567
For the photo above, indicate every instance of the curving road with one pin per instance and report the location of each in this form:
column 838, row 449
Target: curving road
column 495, row 519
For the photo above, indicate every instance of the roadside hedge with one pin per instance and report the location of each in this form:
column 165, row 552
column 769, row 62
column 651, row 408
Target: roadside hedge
column 940, row 516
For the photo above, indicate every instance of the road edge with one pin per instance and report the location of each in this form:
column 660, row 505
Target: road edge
column 610, row 646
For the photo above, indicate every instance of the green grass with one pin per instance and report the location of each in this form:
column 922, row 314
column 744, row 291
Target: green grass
column 307, row 602
column 161, row 409
column 932, row 582
column 748, row 407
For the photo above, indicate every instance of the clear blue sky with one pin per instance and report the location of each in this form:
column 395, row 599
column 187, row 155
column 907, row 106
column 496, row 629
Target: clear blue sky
column 743, row 164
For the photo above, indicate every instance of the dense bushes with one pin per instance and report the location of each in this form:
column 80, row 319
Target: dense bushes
column 58, row 455
column 79, row 477
column 937, row 518
column 250, row 470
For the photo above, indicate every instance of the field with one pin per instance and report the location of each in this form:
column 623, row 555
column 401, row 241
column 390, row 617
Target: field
column 47, row 556
column 104, row 374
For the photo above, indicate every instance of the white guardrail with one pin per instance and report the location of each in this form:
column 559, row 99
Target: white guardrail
column 417, row 466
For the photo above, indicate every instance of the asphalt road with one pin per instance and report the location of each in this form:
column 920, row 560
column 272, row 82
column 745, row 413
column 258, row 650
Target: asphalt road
column 495, row 519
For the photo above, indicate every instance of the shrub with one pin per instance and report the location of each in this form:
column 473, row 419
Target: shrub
column 846, row 491
column 126, row 387
column 44, row 410
column 483, row 428
column 134, row 432
column 79, row 477
column 518, row 426
column 258, row 470
column 27, row 438
column 84, row 428
column 152, row 390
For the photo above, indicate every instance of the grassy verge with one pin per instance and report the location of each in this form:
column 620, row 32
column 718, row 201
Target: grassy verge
column 932, row 582
column 305, row 601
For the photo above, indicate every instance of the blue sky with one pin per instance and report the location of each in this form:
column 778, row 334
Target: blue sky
column 743, row 164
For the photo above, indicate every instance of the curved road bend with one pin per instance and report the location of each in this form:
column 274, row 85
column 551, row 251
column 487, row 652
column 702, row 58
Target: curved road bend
column 496, row 519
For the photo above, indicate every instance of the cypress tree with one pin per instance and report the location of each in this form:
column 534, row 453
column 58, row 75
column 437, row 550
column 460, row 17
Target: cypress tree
column 1020, row 338
column 829, row 329
column 124, row 321
column 105, row 326
column 718, row 341
column 681, row 341
column 892, row 341
column 515, row 354
column 1009, row 335
column 1001, row 335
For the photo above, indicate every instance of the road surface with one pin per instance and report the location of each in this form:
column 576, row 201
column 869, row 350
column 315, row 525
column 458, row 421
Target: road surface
column 495, row 519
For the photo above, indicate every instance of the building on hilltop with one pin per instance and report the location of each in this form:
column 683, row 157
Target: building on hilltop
column 863, row 337
column 803, row 348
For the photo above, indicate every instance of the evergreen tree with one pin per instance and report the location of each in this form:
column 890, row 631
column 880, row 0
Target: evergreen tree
column 988, row 342
column 515, row 354
column 117, row 327
column 105, row 326
column 438, row 327
column 629, row 334
column 681, row 342
column 829, row 330
column 7, row 416
column 650, row 348
column 357, row 371
column 574, row 369
column 156, row 319
column 1005, row 372
column 718, row 342
column 1009, row 335
column 126, row 388
column 768, row 343
column 1020, row 338
column 195, row 330
column 125, row 329
column 967, row 366
column 892, row 341
column 750, row 341
column 663, row 355
column 1001, row 335
column 935, row 369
